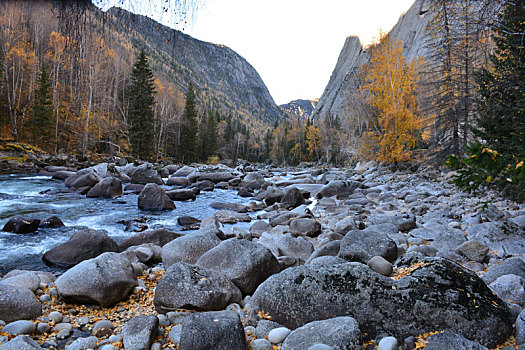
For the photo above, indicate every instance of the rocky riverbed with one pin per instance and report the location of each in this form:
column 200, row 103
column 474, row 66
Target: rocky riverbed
column 363, row 258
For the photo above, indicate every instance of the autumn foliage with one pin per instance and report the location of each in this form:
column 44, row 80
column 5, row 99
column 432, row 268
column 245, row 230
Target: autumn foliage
column 389, row 86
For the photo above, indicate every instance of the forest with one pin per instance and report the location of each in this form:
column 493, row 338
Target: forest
column 68, row 87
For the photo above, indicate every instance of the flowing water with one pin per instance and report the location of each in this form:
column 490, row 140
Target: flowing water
column 40, row 197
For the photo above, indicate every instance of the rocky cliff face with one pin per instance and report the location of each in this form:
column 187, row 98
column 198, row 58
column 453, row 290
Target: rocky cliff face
column 299, row 108
column 217, row 71
column 410, row 29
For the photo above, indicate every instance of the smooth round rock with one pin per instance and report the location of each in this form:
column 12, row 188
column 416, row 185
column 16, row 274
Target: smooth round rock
column 380, row 265
column 278, row 335
column 388, row 343
column 45, row 298
column 55, row 316
column 261, row 344
column 320, row 347
column 42, row 328
column 19, row 327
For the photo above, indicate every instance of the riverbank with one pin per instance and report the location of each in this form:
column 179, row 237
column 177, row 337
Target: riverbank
column 379, row 255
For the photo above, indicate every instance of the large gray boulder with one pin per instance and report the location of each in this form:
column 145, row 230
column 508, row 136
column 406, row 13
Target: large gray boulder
column 512, row 266
column 158, row 237
column 109, row 187
column 21, row 342
column 17, row 303
column 139, row 332
column 181, row 195
column 457, row 300
column 21, row 225
column 83, row 178
column 217, row 330
column 341, row 333
column 305, row 227
column 361, row 246
column 215, row 177
column 84, row 244
column 104, row 280
column 153, row 197
column 145, row 174
column 246, row 263
column 403, row 222
column 189, row 248
column 192, row 287
column 292, row 197
column 341, row 189
column 448, row 340
column 273, row 195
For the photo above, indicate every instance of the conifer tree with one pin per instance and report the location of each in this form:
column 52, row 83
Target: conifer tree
column 501, row 106
column 211, row 136
column 188, row 138
column 42, row 120
column 141, row 95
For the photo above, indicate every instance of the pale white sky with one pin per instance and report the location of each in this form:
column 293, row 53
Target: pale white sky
column 293, row 44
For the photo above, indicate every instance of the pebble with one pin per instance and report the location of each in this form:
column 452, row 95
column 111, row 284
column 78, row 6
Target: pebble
column 410, row 343
column 45, row 298
column 53, row 292
column 320, row 347
column 278, row 335
column 2, row 323
column 163, row 320
column 156, row 346
column 388, row 343
column 3, row 339
column 42, row 328
column 175, row 334
column 103, row 328
column 19, row 327
column 261, row 344
column 55, row 316
column 380, row 265
column 114, row 338
column 83, row 343
column 108, row 347
column 84, row 320
column 177, row 317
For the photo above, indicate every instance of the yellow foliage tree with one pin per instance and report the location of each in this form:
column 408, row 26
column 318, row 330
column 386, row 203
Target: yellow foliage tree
column 390, row 87
column 313, row 142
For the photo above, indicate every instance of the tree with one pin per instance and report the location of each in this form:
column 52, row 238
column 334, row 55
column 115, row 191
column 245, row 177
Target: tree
column 42, row 120
column 501, row 85
column 313, row 142
column 209, row 135
column 141, row 96
column 188, row 139
column 390, row 85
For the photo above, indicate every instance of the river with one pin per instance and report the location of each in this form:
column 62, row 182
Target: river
column 40, row 197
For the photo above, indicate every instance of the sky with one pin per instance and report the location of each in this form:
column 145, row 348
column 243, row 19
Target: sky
column 293, row 44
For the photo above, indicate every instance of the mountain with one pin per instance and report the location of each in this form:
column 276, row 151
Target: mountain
column 337, row 96
column 299, row 108
column 223, row 78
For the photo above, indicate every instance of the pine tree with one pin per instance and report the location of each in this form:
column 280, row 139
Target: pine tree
column 188, row 138
column 211, row 136
column 501, row 106
column 141, row 95
column 42, row 120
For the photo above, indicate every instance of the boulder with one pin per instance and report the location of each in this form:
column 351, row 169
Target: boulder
column 62, row 174
column 448, row 340
column 84, row 244
column 51, row 222
column 145, row 174
column 43, row 277
column 292, row 197
column 21, row 342
column 154, row 198
column 361, row 246
column 258, row 227
column 18, row 303
column 247, row 264
column 512, row 266
column 109, row 187
column 21, row 225
column 341, row 189
column 273, row 195
column 178, row 181
column 134, row 188
column 404, row 223
column 83, row 178
column 192, row 287
column 215, row 177
column 184, row 171
column 329, row 249
column 159, row 237
column 27, row 280
column 339, row 333
column 305, row 227
column 181, row 195
column 456, row 298
column 188, row 221
column 297, row 247
column 239, row 208
column 189, row 248
column 204, row 185
column 139, row 332
column 218, row 330
column 520, row 328
column 510, row 288
column 231, row 217
column 474, row 251
column 106, row 280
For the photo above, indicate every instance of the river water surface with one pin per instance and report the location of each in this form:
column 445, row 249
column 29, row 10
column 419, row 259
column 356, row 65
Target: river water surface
column 39, row 197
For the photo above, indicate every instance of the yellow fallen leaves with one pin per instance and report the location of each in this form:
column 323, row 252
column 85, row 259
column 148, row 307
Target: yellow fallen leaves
column 405, row 271
column 264, row 315
column 421, row 340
